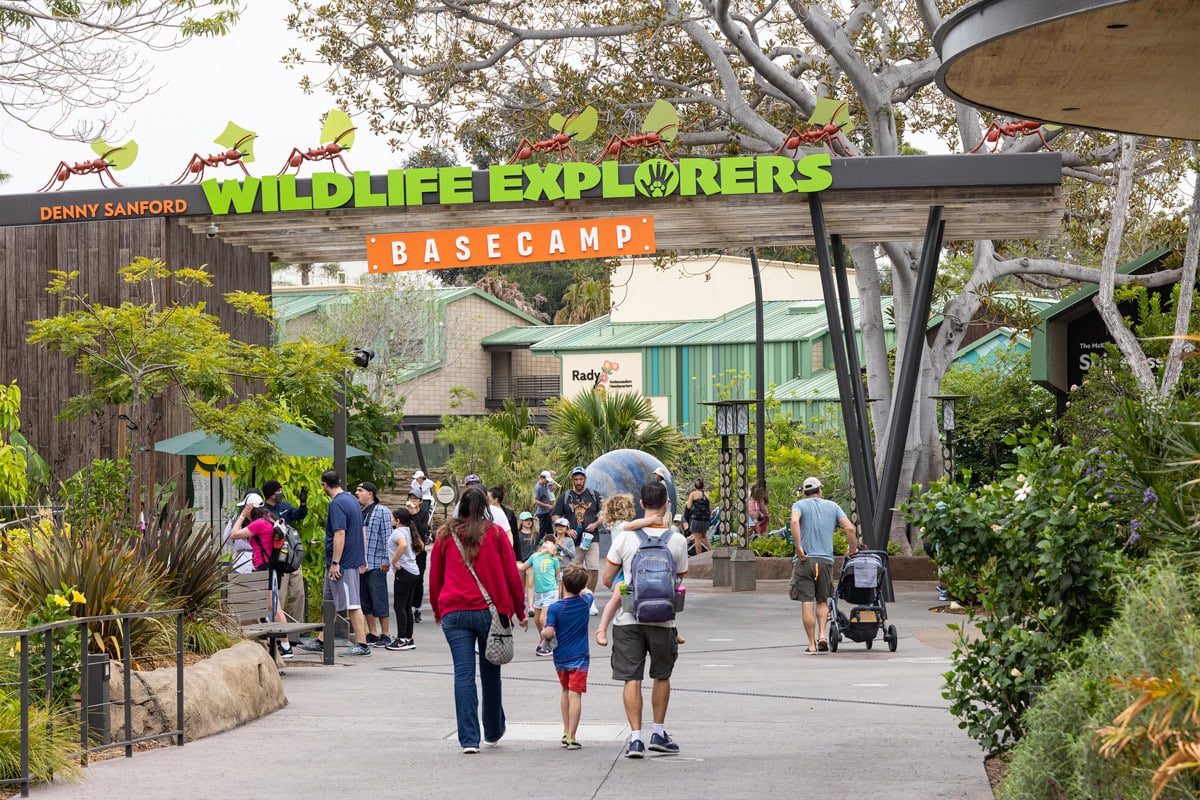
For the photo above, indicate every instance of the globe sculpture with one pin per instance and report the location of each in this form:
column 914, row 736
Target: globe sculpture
column 626, row 471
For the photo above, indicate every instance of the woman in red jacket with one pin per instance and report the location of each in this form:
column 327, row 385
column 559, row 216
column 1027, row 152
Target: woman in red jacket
column 459, row 607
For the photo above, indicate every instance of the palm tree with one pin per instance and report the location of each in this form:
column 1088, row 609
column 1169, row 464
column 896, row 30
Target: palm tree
column 594, row 423
column 584, row 300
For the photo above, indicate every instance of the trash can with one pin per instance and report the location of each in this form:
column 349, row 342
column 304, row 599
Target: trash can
column 99, row 710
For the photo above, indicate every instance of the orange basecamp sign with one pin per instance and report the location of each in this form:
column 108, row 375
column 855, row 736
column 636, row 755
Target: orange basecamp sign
column 511, row 244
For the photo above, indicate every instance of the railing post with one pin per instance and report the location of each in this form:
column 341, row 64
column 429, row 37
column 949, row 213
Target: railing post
column 24, row 642
column 49, row 670
column 179, row 676
column 127, row 670
column 83, row 694
column 328, row 617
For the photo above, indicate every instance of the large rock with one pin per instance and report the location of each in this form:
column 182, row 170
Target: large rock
column 233, row 687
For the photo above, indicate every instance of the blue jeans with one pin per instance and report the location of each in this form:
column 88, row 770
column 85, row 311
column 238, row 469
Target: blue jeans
column 465, row 630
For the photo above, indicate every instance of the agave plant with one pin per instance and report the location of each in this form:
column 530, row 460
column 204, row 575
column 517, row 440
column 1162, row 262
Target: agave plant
column 193, row 573
column 594, row 423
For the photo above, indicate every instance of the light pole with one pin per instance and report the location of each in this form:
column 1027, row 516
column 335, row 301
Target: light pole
column 948, row 427
column 362, row 357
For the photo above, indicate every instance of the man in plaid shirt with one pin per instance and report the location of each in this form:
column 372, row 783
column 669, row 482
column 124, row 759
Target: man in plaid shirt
column 377, row 526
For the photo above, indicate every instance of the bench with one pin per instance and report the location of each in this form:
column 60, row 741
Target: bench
column 248, row 596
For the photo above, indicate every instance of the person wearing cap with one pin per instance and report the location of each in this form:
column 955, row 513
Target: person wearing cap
column 243, row 550
column 582, row 506
column 377, row 529
column 471, row 480
column 814, row 520
column 254, row 526
column 291, row 585
column 563, row 542
column 423, row 487
column 525, row 542
column 543, row 500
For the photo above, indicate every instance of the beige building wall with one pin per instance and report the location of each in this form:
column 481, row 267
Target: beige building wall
column 704, row 287
column 467, row 365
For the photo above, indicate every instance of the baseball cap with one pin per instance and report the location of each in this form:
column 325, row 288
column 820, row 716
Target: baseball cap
column 562, row 521
column 661, row 472
column 679, row 517
column 579, row 471
column 254, row 500
column 812, row 483
column 472, row 478
column 524, row 515
column 370, row 487
column 546, row 474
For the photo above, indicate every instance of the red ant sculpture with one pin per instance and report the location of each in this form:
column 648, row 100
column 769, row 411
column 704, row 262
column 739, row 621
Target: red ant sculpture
column 237, row 139
column 332, row 150
column 110, row 158
column 1013, row 130
column 834, row 121
column 661, row 126
column 579, row 126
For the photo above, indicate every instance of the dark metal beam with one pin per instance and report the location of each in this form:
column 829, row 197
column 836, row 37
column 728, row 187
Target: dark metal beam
column 906, row 382
column 760, row 373
column 871, row 484
column 838, row 344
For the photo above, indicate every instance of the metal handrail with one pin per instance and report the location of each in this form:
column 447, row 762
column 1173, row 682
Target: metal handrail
column 84, row 706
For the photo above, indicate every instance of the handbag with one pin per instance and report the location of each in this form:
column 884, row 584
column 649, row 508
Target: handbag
column 499, row 648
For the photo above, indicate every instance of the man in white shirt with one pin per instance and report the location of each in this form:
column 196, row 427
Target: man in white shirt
column 632, row 641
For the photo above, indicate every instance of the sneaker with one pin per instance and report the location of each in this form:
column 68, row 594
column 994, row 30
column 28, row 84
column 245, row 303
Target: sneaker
column 573, row 745
column 661, row 743
column 595, row 611
column 543, row 651
column 565, row 739
column 470, row 751
column 312, row 646
column 383, row 641
column 401, row 644
column 416, row 616
column 286, row 652
column 635, row 749
column 356, row 650
column 372, row 638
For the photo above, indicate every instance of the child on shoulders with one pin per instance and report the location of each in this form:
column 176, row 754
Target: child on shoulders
column 566, row 630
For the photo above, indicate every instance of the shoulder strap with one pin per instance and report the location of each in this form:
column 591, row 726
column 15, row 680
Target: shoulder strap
column 463, row 552
column 642, row 537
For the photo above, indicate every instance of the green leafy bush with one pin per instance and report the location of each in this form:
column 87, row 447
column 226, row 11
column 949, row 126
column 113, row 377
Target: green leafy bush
column 772, row 547
column 1042, row 551
column 1156, row 631
column 193, row 572
column 98, row 491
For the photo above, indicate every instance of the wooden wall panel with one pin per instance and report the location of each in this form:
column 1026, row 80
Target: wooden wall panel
column 98, row 250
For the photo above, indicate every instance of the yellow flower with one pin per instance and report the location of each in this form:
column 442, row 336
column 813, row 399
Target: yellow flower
column 61, row 601
column 77, row 596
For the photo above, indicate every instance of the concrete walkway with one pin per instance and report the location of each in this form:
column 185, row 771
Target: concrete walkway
column 755, row 717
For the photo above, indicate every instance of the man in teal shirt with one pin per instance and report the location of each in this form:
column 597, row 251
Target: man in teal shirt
column 814, row 520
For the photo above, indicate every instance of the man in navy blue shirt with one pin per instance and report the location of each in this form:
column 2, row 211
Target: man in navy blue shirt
column 345, row 560
column 567, row 626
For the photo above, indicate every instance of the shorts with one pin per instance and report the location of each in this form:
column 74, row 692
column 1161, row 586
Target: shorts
column 590, row 558
column 574, row 679
column 812, row 580
column 343, row 592
column 631, row 643
column 545, row 599
column 374, row 591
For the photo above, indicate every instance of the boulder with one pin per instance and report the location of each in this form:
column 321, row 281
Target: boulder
column 231, row 688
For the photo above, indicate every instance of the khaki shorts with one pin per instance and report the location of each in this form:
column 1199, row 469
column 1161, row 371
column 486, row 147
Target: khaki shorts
column 590, row 558
column 632, row 643
column 812, row 580
column 344, row 591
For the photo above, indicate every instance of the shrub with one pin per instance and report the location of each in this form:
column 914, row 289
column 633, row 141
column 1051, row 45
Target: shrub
column 50, row 745
column 193, row 572
column 772, row 547
column 98, row 491
column 1041, row 550
column 1156, row 632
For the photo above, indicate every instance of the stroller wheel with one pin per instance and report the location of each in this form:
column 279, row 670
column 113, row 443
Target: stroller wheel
column 870, row 642
column 892, row 638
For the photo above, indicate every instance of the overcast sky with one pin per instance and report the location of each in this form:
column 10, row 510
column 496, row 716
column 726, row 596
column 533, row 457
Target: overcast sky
column 203, row 86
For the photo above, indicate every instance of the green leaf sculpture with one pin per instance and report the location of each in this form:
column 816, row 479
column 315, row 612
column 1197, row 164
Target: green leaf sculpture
column 338, row 128
column 579, row 126
column 836, row 112
column 119, row 157
column 663, row 119
column 235, row 137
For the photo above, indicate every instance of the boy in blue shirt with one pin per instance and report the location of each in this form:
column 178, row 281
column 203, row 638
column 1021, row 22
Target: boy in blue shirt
column 567, row 628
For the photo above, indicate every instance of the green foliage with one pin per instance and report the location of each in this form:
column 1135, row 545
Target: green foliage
column 107, row 568
column 98, row 491
column 999, row 398
column 50, row 745
column 772, row 547
column 1041, row 552
column 1156, row 631
column 193, row 572
column 593, row 423
column 370, row 426
column 513, row 422
column 206, row 636
column 14, row 480
column 63, row 642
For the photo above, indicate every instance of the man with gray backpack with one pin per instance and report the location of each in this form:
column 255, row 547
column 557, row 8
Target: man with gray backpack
column 653, row 560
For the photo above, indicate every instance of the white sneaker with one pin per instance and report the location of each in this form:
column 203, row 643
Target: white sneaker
column 594, row 611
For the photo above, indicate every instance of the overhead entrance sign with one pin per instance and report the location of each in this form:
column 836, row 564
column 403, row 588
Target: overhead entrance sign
column 511, row 244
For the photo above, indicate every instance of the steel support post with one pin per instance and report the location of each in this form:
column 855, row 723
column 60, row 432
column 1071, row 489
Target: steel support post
column 858, row 469
column 906, row 382
column 871, row 489
column 760, row 374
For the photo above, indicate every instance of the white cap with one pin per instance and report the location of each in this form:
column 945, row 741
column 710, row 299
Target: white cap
column 812, row 483
column 254, row 500
column 679, row 517
column 661, row 472
column 562, row 521
column 546, row 474
column 418, row 475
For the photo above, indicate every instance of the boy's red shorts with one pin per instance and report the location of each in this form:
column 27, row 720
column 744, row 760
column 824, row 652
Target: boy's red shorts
column 574, row 680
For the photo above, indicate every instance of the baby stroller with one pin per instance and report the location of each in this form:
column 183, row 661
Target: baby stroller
column 861, row 585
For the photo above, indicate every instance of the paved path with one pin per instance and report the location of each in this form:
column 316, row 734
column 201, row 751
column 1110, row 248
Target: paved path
column 755, row 717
